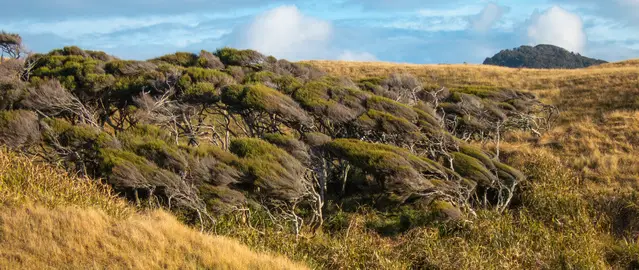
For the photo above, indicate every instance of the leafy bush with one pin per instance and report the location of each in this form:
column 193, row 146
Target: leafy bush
column 184, row 59
column 245, row 58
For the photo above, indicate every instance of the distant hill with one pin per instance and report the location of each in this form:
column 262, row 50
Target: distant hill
column 541, row 56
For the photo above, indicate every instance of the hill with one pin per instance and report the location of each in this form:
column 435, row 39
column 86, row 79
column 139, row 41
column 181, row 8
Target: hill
column 349, row 165
column 541, row 56
column 52, row 220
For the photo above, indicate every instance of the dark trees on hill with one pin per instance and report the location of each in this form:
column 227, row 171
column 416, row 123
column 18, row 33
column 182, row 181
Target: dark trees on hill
column 541, row 56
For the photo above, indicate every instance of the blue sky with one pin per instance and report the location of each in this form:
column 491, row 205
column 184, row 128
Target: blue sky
column 412, row 31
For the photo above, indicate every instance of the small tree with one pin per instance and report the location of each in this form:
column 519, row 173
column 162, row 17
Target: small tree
column 10, row 44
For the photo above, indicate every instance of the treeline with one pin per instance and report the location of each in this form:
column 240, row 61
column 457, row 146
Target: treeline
column 541, row 56
column 227, row 131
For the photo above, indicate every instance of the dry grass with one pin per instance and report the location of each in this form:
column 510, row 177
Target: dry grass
column 73, row 238
column 24, row 182
column 49, row 220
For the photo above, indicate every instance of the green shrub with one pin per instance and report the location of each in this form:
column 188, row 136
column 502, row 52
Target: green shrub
column 184, row 59
column 243, row 58
column 274, row 173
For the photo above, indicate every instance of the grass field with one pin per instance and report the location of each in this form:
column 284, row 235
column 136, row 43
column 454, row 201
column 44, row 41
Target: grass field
column 49, row 220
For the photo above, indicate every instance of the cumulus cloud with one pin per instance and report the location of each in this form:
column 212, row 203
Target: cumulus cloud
column 558, row 27
column 488, row 17
column 623, row 11
column 285, row 32
column 357, row 56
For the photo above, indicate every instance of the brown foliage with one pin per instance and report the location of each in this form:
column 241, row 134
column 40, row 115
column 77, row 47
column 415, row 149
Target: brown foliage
column 18, row 128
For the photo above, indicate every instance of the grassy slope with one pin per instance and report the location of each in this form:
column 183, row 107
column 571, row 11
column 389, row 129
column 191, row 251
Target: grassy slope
column 578, row 209
column 598, row 131
column 50, row 220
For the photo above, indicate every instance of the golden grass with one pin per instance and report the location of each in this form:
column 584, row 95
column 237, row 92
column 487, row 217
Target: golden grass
column 73, row 238
column 49, row 220
column 23, row 182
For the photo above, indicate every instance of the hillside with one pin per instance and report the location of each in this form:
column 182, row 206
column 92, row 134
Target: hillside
column 349, row 165
column 50, row 220
column 541, row 56
column 603, row 95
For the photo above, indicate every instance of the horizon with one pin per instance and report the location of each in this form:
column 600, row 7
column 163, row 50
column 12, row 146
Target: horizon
column 378, row 30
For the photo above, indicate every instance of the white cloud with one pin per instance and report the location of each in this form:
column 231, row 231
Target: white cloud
column 487, row 18
column 285, row 32
column 558, row 27
column 357, row 56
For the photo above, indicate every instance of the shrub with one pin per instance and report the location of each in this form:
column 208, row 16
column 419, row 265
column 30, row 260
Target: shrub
column 387, row 124
column 472, row 168
column 184, row 59
column 296, row 148
column 129, row 67
column 284, row 83
column 258, row 97
column 164, row 155
column 390, row 106
column 243, row 58
column 208, row 60
column 398, row 171
column 19, row 128
column 338, row 105
column 274, row 173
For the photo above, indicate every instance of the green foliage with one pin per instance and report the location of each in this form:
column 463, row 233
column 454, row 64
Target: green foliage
column 397, row 170
column 377, row 121
column 75, row 72
column 284, row 83
column 245, row 58
column 274, row 173
column 291, row 145
column 472, row 168
column 146, row 143
column 334, row 103
column 204, row 86
column 78, row 136
column 390, row 106
column 477, row 90
column 262, row 98
column 184, row 59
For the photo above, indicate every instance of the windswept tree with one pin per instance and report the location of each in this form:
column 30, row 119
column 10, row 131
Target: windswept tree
column 11, row 44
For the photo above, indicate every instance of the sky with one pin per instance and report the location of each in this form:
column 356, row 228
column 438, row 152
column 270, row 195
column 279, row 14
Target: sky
column 407, row 31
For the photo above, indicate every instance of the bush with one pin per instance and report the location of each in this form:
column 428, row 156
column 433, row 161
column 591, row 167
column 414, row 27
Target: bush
column 208, row 60
column 336, row 104
column 258, row 97
column 19, row 128
column 274, row 173
column 397, row 171
column 184, row 59
column 243, row 58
